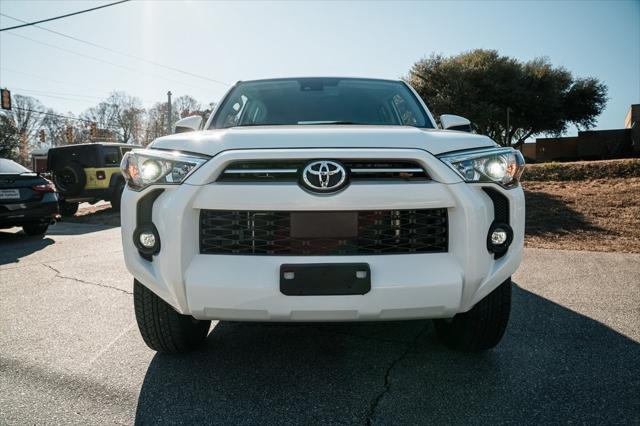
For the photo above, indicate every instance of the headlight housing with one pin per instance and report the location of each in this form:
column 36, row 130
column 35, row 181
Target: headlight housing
column 144, row 167
column 503, row 166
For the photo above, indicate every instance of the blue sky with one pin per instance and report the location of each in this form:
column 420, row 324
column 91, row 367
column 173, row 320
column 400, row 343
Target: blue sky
column 230, row 41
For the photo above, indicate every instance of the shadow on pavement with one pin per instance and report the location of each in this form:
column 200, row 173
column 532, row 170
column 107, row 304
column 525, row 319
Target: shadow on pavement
column 554, row 365
column 104, row 216
column 16, row 245
column 547, row 213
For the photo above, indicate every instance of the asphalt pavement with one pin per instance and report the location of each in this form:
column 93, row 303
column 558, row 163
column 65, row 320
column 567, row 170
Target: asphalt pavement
column 70, row 352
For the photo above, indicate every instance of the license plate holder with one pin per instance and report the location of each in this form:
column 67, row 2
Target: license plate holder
column 9, row 194
column 325, row 279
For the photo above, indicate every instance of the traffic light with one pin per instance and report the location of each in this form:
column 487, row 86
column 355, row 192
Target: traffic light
column 94, row 131
column 69, row 134
column 6, row 99
column 41, row 135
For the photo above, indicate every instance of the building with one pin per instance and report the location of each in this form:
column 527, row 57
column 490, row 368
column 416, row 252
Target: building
column 591, row 144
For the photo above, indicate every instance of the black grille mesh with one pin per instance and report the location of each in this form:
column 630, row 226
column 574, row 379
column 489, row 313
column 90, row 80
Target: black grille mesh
column 268, row 233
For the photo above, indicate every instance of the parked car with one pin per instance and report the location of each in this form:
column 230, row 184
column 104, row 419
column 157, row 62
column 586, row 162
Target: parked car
column 322, row 199
column 26, row 199
column 87, row 173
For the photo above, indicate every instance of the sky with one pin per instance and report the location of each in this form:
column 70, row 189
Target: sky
column 231, row 41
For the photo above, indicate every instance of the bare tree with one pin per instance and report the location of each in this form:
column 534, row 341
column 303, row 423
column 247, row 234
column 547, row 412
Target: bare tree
column 27, row 118
column 186, row 105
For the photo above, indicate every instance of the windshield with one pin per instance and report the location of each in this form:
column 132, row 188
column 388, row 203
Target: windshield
column 311, row 101
column 11, row 167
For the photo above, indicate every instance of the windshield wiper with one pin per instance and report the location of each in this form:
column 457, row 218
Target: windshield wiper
column 313, row 123
column 260, row 124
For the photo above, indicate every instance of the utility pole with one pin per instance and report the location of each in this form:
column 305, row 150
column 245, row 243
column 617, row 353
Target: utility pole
column 169, row 125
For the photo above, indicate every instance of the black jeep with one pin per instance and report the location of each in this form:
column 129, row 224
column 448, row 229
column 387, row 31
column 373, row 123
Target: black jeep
column 87, row 173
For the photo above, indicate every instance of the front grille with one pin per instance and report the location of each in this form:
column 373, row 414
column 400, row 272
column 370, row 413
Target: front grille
column 269, row 233
column 288, row 170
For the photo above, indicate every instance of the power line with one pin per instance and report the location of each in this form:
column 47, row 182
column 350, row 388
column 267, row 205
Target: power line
column 54, row 115
column 89, row 43
column 102, row 60
column 39, row 77
column 77, row 95
column 63, row 16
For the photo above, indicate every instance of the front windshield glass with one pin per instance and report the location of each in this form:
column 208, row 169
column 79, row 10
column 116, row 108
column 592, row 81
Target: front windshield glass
column 313, row 101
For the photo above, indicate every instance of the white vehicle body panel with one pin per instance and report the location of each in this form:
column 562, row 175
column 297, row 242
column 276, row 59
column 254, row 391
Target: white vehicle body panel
column 247, row 287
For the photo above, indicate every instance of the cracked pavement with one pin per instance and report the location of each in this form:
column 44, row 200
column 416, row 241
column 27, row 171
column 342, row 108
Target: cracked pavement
column 70, row 352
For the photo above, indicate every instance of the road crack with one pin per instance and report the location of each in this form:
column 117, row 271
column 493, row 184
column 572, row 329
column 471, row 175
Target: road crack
column 59, row 275
column 373, row 405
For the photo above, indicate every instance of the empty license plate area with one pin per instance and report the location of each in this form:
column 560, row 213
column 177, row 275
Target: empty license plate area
column 325, row 279
column 324, row 225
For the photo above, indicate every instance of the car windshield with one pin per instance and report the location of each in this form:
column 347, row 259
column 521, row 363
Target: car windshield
column 11, row 167
column 313, row 101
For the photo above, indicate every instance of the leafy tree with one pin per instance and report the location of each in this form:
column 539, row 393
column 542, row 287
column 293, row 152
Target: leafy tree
column 9, row 137
column 483, row 85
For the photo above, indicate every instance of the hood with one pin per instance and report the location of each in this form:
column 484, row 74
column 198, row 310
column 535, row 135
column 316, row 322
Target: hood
column 212, row 142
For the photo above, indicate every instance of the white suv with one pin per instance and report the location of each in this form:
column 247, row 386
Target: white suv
column 322, row 199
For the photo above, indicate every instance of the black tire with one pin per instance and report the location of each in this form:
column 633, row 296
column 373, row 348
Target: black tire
column 482, row 327
column 68, row 209
column 33, row 229
column 70, row 179
column 117, row 196
column 162, row 328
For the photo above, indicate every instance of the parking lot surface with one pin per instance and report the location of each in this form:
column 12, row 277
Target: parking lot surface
column 70, row 351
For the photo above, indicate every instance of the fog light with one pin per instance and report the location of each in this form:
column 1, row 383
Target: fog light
column 499, row 236
column 147, row 239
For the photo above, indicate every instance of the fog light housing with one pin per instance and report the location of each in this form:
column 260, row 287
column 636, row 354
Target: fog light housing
column 147, row 240
column 499, row 238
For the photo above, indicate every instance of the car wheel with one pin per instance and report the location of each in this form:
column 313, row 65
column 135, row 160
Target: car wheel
column 35, row 228
column 68, row 209
column 115, row 200
column 70, row 179
column 482, row 327
column 162, row 328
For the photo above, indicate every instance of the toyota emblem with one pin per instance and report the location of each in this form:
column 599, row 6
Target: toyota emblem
column 324, row 176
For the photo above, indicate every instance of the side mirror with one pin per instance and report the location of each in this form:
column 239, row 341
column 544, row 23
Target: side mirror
column 455, row 122
column 188, row 124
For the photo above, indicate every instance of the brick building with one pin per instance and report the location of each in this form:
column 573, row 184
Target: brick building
column 591, row 144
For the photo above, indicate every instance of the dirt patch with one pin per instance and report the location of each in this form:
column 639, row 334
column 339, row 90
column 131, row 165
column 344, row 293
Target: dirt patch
column 595, row 215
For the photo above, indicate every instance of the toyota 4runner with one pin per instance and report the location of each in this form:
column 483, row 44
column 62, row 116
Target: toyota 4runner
column 322, row 199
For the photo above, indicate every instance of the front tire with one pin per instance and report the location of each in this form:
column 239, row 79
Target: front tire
column 162, row 328
column 117, row 196
column 68, row 209
column 482, row 327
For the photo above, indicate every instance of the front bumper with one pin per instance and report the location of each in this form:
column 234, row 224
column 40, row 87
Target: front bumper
column 245, row 287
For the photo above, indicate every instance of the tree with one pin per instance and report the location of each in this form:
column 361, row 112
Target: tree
column 27, row 118
column 486, row 87
column 9, row 137
column 121, row 114
column 186, row 105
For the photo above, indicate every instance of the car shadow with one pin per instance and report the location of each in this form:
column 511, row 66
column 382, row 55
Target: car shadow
column 549, row 214
column 554, row 365
column 16, row 245
column 107, row 217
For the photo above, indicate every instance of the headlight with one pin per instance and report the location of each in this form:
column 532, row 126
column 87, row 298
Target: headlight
column 144, row 167
column 503, row 166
